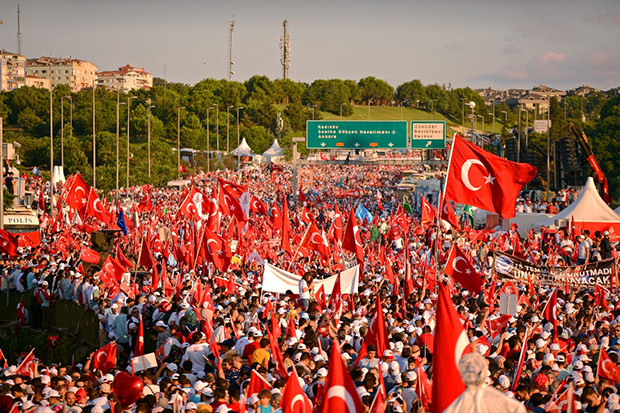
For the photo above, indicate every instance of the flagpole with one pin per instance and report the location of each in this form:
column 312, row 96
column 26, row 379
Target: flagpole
column 199, row 246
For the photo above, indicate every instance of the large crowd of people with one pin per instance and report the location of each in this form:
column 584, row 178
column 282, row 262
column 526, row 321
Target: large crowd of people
column 213, row 330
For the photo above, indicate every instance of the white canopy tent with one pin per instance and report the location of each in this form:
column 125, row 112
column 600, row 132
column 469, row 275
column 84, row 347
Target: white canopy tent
column 589, row 207
column 274, row 152
column 243, row 149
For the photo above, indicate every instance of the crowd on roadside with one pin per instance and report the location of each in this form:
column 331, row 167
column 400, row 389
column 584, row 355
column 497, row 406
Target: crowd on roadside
column 213, row 331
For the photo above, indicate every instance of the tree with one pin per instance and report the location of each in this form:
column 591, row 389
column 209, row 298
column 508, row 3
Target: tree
column 259, row 138
column 410, row 92
column 375, row 90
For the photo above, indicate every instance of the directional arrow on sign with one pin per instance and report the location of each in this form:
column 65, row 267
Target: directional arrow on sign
column 356, row 144
column 428, row 143
column 393, row 132
column 323, row 144
column 390, row 144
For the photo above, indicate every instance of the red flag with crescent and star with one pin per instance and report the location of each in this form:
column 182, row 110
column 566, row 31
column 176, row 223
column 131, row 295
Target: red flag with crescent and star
column 606, row 368
column 26, row 368
column 479, row 178
column 104, row 359
column 550, row 311
column 460, row 269
column 340, row 394
column 428, row 212
column 451, row 343
column 294, row 399
column 352, row 240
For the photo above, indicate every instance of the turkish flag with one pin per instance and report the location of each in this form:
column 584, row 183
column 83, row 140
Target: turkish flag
column 294, row 399
column 377, row 333
column 451, row 343
column 599, row 297
column 114, row 268
column 8, row 243
column 104, row 359
column 448, row 214
column 194, row 205
column 428, row 213
column 77, row 196
column 424, row 387
column 352, row 240
column 276, row 354
column 336, row 305
column 95, row 208
column 550, row 311
column 258, row 206
column 276, row 217
column 479, row 178
column 509, row 288
column 231, row 200
column 607, row 368
column 320, row 297
column 232, row 188
column 89, row 255
column 337, row 224
column 216, row 250
column 340, row 390
column 21, row 313
column 257, row 383
column 460, row 269
column 286, row 227
column 146, row 257
column 26, row 368
column 29, row 239
column 494, row 326
column 120, row 257
column 313, row 240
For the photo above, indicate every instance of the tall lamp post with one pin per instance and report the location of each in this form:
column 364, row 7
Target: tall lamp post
column 128, row 111
column 51, row 142
column 493, row 104
column 179, row 140
column 148, row 131
column 463, row 113
column 94, row 143
column 238, row 135
column 472, row 106
column 62, row 130
column 118, row 105
column 228, row 128
column 548, row 161
column 482, row 117
column 208, row 142
column 519, row 139
column 217, row 127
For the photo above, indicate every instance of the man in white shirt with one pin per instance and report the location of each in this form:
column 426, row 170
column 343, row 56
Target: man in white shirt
column 197, row 353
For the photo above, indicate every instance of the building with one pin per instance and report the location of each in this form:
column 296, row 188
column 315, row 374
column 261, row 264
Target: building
column 125, row 79
column 12, row 70
column 39, row 82
column 583, row 90
column 539, row 97
column 75, row 73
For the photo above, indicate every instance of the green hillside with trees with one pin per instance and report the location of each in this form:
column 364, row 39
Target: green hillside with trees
column 210, row 110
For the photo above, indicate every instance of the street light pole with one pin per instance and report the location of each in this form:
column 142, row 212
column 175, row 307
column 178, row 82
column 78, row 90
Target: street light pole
column 548, row 161
column 148, row 131
column 128, row 111
column 228, row 128
column 527, row 128
column 463, row 113
column 179, row 141
column 217, row 127
column 482, row 117
column 51, row 143
column 493, row 103
column 62, row 130
column 519, row 139
column 94, row 143
column 208, row 142
column 238, row 135
column 472, row 105
column 118, row 106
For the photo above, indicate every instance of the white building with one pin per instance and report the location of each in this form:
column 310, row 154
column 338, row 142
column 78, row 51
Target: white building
column 12, row 70
column 75, row 73
column 125, row 79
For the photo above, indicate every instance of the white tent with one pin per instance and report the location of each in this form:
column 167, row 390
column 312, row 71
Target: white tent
column 243, row 149
column 589, row 207
column 274, row 151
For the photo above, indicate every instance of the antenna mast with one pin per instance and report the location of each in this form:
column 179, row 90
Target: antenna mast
column 230, row 48
column 19, row 32
column 285, row 47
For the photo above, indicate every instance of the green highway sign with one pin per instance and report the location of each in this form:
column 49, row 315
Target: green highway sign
column 356, row 134
column 428, row 134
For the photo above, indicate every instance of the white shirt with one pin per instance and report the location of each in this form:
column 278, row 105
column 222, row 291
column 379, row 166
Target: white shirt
column 197, row 354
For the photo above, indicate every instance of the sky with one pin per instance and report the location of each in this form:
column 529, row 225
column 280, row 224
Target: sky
column 477, row 43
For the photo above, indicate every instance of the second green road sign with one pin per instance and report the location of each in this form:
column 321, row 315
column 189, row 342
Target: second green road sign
column 354, row 134
column 428, row 134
